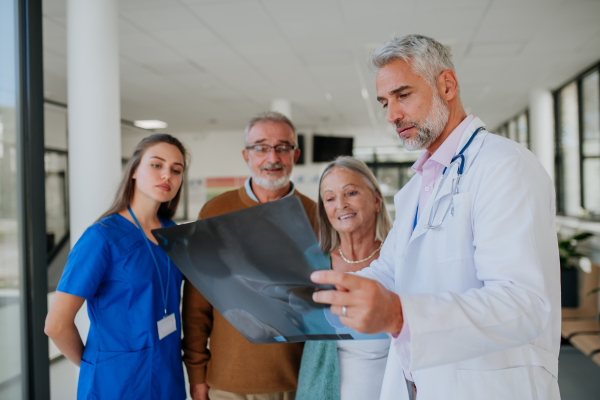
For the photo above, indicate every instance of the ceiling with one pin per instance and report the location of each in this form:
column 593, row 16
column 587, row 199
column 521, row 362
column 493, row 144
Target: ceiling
column 206, row 65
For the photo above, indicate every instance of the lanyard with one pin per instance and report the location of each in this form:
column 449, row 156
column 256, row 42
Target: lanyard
column 165, row 294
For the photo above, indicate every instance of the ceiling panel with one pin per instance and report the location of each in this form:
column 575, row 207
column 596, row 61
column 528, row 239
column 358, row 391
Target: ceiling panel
column 159, row 19
column 210, row 54
column 324, row 43
column 135, row 41
column 152, row 54
column 356, row 11
column 247, row 33
column 495, row 49
column 198, row 37
column 219, row 14
column 135, row 5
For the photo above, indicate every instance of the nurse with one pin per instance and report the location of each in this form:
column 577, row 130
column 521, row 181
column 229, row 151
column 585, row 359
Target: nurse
column 133, row 349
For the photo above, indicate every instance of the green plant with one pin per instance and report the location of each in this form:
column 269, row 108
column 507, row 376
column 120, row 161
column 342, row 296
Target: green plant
column 568, row 251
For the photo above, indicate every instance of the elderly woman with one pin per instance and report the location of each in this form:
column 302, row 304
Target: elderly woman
column 353, row 224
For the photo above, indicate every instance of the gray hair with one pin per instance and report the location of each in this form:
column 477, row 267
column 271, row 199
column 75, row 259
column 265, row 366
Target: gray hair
column 329, row 239
column 428, row 57
column 270, row 116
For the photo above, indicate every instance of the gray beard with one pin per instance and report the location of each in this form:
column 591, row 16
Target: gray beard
column 432, row 127
column 271, row 184
column 266, row 183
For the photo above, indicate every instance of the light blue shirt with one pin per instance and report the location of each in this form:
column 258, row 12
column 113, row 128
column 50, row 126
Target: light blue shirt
column 251, row 194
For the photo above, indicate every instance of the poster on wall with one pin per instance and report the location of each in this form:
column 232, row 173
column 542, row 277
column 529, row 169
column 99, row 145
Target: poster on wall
column 203, row 189
column 218, row 185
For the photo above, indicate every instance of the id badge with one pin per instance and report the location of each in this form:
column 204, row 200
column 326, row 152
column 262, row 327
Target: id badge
column 166, row 326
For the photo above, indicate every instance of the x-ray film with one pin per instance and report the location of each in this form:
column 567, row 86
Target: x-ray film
column 254, row 267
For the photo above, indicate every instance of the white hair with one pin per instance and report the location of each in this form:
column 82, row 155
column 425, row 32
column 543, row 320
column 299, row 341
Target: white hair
column 427, row 57
column 270, row 116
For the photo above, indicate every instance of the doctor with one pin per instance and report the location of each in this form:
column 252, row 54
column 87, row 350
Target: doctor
column 467, row 282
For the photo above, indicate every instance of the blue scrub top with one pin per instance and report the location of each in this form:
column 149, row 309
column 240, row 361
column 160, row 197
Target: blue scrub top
column 112, row 268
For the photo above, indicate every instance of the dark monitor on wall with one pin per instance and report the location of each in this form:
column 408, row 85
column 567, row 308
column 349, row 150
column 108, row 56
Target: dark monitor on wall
column 327, row 148
column 302, row 148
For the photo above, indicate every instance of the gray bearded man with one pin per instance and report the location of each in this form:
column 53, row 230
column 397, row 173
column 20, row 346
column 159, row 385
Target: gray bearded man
column 468, row 281
column 235, row 369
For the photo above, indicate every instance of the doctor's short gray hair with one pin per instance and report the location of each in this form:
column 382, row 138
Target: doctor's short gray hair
column 329, row 239
column 427, row 57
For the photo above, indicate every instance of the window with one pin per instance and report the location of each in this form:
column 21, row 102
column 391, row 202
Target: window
column 512, row 130
column 516, row 129
column 568, row 150
column 392, row 176
column 590, row 104
column 10, row 280
column 523, row 129
column 502, row 131
column 578, row 146
column 57, row 190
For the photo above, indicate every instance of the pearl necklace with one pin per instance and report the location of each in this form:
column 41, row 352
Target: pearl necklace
column 360, row 261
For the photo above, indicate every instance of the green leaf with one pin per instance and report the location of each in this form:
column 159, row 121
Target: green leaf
column 565, row 244
column 591, row 292
column 583, row 236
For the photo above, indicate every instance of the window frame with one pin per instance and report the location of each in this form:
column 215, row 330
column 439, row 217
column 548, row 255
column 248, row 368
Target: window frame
column 558, row 159
column 35, row 370
column 504, row 127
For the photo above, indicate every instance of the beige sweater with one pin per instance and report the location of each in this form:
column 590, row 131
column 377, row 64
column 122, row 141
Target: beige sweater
column 233, row 364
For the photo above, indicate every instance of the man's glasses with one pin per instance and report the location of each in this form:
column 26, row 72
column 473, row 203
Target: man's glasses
column 266, row 149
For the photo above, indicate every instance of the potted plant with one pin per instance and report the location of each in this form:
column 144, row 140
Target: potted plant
column 570, row 259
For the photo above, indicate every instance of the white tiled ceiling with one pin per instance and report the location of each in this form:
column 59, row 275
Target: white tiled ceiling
column 211, row 64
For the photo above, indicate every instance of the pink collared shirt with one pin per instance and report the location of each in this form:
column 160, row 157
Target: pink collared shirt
column 430, row 167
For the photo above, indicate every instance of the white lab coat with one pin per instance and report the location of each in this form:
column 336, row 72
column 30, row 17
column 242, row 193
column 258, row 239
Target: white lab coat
column 481, row 293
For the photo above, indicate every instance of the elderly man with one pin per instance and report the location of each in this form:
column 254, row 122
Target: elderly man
column 467, row 282
column 234, row 368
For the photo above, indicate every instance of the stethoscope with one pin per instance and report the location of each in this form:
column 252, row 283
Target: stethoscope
column 461, row 166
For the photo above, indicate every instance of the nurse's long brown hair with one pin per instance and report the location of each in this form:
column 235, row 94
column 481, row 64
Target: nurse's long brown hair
column 126, row 189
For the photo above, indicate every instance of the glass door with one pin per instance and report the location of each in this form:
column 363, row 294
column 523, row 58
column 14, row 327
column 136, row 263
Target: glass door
column 10, row 299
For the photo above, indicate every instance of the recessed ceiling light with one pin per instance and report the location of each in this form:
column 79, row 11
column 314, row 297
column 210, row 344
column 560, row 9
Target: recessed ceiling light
column 328, row 96
column 150, row 124
column 365, row 93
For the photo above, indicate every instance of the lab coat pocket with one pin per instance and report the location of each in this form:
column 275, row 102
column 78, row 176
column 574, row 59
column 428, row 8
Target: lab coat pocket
column 510, row 383
column 123, row 375
column 456, row 234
